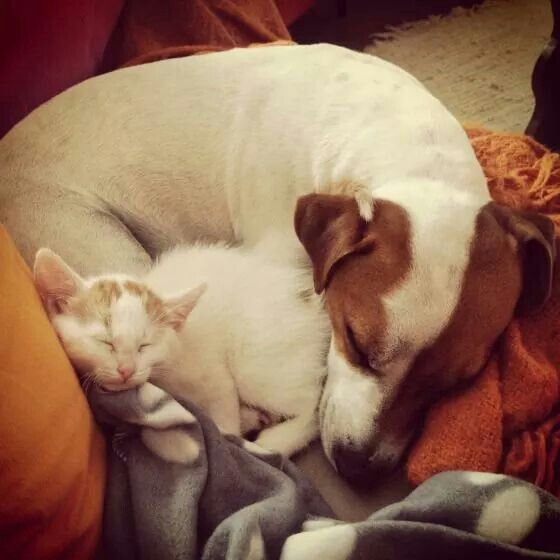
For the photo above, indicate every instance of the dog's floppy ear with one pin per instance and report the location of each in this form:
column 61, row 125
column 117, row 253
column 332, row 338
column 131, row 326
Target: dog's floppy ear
column 536, row 239
column 329, row 227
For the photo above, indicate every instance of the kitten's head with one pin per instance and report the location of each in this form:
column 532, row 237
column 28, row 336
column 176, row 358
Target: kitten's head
column 114, row 329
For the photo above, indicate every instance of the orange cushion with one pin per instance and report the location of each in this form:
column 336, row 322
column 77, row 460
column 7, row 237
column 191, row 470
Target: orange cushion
column 52, row 455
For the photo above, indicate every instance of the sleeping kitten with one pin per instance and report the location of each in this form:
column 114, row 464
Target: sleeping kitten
column 229, row 329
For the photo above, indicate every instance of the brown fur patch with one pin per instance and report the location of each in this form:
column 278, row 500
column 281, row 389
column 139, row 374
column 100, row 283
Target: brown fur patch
column 356, row 273
column 98, row 299
column 153, row 304
column 489, row 292
column 361, row 280
column 510, row 261
column 357, row 262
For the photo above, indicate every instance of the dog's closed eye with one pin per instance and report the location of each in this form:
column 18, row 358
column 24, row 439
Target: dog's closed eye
column 360, row 355
column 352, row 339
column 375, row 361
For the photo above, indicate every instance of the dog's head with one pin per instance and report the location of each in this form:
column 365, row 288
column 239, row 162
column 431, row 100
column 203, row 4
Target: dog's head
column 416, row 297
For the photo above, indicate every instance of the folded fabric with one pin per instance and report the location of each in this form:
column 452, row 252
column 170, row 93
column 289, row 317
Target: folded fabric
column 152, row 30
column 509, row 419
column 179, row 489
column 459, row 515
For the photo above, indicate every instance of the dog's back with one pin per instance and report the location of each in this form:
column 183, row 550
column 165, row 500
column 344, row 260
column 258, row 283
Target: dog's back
column 217, row 146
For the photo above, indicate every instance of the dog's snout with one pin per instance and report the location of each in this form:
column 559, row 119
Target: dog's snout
column 352, row 464
column 365, row 467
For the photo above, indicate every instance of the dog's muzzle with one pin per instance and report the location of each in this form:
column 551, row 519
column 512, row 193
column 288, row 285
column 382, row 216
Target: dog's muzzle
column 365, row 467
column 356, row 438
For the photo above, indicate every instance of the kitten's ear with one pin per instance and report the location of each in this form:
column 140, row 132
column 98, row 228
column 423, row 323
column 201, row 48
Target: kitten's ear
column 177, row 309
column 56, row 282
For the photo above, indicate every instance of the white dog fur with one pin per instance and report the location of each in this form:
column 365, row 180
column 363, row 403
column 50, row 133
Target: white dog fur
column 220, row 146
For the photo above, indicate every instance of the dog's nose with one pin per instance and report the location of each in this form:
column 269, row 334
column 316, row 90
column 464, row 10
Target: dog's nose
column 382, row 462
column 125, row 372
column 352, row 464
column 364, row 468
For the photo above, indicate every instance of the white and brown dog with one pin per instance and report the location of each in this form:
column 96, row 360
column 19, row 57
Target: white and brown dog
column 221, row 146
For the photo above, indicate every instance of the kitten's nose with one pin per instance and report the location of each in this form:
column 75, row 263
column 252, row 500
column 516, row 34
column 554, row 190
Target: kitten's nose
column 125, row 372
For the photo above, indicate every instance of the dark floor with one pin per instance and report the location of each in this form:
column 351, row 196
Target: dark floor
column 351, row 23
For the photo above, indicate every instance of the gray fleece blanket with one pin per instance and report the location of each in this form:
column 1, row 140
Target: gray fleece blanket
column 177, row 489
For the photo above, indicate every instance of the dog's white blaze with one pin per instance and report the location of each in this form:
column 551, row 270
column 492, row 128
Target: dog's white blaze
column 419, row 308
column 351, row 403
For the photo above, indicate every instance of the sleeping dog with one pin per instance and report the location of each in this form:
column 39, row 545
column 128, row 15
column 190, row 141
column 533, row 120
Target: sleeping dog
column 418, row 285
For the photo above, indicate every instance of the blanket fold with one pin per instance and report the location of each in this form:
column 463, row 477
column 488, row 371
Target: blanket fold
column 177, row 489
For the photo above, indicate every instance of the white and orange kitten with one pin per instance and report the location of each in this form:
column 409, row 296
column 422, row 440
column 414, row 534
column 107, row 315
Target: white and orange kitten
column 226, row 328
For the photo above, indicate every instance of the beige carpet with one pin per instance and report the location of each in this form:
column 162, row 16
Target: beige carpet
column 477, row 61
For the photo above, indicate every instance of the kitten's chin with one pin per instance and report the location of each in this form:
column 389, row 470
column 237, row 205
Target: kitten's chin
column 119, row 386
column 115, row 388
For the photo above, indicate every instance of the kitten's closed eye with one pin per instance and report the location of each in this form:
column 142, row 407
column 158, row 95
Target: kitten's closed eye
column 108, row 343
column 143, row 346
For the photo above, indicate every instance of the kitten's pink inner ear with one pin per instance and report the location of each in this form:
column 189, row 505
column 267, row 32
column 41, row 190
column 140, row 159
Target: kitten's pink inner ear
column 56, row 282
column 179, row 308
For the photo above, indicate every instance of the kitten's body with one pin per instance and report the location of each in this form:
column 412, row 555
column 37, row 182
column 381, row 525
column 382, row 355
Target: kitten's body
column 257, row 337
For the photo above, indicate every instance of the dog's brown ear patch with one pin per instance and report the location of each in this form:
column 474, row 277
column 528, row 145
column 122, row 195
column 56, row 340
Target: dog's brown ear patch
column 330, row 228
column 535, row 235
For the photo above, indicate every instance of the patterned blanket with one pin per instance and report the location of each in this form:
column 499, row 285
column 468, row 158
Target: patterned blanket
column 178, row 489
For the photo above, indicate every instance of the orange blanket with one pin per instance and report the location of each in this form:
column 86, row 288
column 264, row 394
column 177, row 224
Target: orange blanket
column 509, row 419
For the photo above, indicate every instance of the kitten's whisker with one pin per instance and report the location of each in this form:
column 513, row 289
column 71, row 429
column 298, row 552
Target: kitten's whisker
column 86, row 385
column 87, row 382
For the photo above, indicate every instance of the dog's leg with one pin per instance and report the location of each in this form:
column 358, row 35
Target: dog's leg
column 90, row 239
column 290, row 436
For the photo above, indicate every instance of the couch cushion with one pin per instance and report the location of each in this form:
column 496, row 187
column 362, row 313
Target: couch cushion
column 52, row 455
